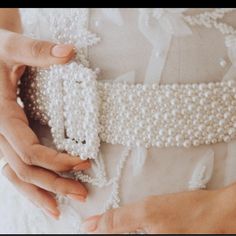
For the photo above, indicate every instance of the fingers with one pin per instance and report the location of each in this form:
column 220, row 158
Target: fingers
column 23, row 50
column 50, row 159
column 120, row 220
column 42, row 178
column 37, row 196
column 26, row 144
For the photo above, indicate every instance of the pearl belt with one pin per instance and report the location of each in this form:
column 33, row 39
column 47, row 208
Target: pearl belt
column 82, row 111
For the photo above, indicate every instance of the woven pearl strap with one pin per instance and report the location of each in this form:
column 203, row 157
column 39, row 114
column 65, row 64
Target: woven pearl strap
column 82, row 111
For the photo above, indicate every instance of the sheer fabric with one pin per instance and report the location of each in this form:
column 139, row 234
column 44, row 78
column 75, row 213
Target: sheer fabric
column 138, row 46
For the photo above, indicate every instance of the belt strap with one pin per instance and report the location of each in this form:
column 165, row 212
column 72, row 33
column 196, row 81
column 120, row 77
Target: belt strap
column 82, row 111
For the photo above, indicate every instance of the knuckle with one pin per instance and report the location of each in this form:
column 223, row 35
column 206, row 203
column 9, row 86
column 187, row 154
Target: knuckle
column 27, row 156
column 23, row 173
column 62, row 165
column 57, row 186
column 37, row 48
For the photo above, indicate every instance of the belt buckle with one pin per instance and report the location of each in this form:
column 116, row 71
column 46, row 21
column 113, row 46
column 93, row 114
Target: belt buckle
column 75, row 130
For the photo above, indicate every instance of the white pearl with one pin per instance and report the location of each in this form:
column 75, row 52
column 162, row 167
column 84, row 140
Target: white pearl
column 187, row 143
column 196, row 142
column 223, row 62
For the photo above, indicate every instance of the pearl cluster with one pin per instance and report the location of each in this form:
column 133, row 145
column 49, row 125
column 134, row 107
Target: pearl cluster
column 181, row 115
column 34, row 89
column 82, row 111
column 209, row 20
column 70, row 27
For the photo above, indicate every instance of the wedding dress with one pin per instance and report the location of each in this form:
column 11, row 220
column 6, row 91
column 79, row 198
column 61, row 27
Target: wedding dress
column 174, row 67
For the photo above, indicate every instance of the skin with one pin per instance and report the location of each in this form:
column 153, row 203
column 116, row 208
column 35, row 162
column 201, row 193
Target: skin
column 202, row 211
column 31, row 167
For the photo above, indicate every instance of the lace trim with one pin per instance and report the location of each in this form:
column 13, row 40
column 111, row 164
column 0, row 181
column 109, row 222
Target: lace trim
column 101, row 179
column 69, row 26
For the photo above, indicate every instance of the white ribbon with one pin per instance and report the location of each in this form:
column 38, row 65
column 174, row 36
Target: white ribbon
column 158, row 26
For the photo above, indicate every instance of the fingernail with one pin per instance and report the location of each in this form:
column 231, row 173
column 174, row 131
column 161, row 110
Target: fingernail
column 62, row 50
column 90, row 224
column 83, row 166
column 76, row 197
column 54, row 214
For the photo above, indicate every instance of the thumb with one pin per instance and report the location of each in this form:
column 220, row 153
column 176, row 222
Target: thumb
column 23, row 50
column 120, row 220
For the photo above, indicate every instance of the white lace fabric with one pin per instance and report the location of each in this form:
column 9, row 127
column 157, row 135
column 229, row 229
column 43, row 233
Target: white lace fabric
column 137, row 46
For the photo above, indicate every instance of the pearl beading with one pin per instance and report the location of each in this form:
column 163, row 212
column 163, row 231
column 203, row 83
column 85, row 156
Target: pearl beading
column 82, row 111
column 101, row 179
column 70, row 27
column 209, row 20
column 64, row 26
column 167, row 115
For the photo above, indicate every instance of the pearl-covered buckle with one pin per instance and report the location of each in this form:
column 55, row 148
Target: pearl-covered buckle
column 65, row 97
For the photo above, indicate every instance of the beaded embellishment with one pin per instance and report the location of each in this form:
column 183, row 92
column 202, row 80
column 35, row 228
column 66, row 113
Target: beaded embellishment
column 65, row 98
column 82, row 111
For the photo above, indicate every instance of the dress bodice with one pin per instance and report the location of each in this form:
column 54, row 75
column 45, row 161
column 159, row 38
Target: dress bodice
column 143, row 46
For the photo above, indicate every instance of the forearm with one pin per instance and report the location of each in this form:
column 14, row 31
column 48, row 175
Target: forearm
column 10, row 19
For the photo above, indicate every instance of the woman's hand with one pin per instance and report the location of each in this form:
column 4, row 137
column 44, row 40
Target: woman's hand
column 202, row 211
column 31, row 167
